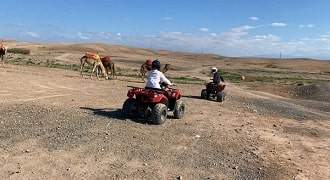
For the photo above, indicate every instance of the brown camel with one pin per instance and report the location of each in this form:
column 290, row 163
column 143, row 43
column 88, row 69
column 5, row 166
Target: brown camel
column 95, row 61
column 109, row 66
column 3, row 51
column 145, row 67
column 165, row 68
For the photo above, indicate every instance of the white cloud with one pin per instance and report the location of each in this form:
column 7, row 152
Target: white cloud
column 173, row 36
column 239, row 42
column 82, row 36
column 167, row 18
column 279, row 24
column 32, row 34
column 254, row 18
column 268, row 37
column 325, row 36
column 306, row 25
column 119, row 36
column 213, row 34
column 242, row 28
column 105, row 35
column 203, row 29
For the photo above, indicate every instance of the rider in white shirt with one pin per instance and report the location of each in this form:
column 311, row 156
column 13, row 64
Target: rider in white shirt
column 155, row 77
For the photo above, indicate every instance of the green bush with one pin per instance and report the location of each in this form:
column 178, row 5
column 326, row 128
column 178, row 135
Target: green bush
column 19, row 51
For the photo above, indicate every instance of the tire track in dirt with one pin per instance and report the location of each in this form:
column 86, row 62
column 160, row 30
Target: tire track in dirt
column 271, row 104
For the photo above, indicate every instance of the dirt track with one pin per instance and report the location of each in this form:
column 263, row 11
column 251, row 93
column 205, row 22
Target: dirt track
column 55, row 124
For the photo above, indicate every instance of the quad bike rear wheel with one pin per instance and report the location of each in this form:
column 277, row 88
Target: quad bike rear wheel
column 220, row 96
column 204, row 94
column 179, row 109
column 129, row 108
column 159, row 114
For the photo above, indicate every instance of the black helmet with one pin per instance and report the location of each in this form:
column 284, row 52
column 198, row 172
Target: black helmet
column 155, row 64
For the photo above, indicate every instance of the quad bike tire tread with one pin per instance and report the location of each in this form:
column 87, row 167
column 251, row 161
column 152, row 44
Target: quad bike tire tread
column 129, row 104
column 220, row 96
column 159, row 114
column 204, row 94
column 179, row 109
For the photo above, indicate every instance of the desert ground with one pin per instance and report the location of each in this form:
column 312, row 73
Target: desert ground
column 56, row 124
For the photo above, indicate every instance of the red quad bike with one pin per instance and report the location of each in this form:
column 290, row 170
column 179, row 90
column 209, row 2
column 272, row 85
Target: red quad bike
column 213, row 91
column 153, row 104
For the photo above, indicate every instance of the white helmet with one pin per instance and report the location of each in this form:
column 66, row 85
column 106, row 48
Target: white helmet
column 214, row 70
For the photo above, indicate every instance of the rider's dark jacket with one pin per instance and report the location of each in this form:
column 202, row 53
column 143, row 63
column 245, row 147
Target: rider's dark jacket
column 217, row 78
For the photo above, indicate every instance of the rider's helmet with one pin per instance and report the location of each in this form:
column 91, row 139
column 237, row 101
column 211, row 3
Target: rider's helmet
column 214, row 70
column 156, row 64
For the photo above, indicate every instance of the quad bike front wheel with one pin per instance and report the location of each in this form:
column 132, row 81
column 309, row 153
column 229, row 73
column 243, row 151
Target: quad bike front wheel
column 129, row 108
column 159, row 114
column 204, row 94
column 179, row 109
column 220, row 96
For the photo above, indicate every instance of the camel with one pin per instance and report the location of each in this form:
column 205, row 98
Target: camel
column 145, row 67
column 109, row 66
column 95, row 61
column 165, row 68
column 3, row 51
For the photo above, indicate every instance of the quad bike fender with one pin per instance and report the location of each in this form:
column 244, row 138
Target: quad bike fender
column 132, row 92
column 160, row 98
column 222, row 87
column 175, row 94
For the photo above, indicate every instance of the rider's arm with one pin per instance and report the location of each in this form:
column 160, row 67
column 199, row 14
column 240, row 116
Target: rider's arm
column 222, row 79
column 164, row 79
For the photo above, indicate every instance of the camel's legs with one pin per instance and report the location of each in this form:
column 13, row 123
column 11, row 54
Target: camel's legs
column 114, row 71
column 82, row 64
column 2, row 60
column 108, row 70
column 94, row 68
column 98, row 73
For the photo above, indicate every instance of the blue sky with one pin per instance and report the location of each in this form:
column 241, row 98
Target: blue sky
column 297, row 28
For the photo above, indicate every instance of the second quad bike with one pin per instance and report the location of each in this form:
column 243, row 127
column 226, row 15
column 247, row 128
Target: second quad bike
column 213, row 91
column 153, row 104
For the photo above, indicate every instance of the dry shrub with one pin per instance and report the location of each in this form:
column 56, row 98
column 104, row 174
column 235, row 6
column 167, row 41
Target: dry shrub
column 19, row 51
